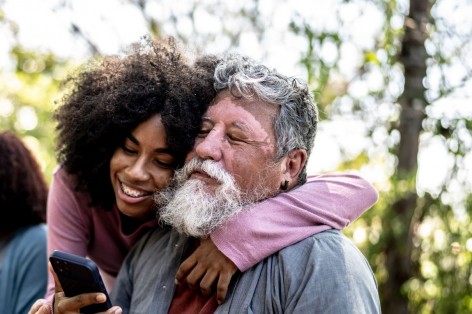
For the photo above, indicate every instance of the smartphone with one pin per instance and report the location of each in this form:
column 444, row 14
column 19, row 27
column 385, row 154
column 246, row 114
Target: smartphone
column 79, row 275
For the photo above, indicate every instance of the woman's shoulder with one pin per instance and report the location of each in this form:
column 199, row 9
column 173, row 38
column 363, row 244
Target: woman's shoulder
column 63, row 189
column 31, row 238
column 61, row 175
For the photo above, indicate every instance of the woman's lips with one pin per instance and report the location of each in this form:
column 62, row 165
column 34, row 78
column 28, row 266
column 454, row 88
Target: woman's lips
column 132, row 192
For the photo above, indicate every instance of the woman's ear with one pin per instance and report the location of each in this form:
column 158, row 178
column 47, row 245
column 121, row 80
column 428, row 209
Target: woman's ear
column 291, row 168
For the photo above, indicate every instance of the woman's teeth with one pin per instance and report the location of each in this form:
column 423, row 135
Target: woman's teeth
column 131, row 192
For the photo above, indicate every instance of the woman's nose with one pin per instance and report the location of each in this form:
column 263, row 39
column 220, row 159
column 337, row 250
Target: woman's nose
column 137, row 171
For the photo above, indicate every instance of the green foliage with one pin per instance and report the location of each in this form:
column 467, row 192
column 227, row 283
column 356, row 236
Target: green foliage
column 438, row 226
column 318, row 70
column 27, row 101
column 442, row 249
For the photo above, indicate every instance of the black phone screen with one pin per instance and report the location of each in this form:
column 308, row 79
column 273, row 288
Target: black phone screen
column 79, row 275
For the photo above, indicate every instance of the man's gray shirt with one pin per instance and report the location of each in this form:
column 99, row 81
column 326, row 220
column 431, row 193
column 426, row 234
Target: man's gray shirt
column 324, row 273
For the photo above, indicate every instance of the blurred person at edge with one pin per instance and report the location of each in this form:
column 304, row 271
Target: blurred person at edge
column 23, row 196
column 125, row 126
column 254, row 143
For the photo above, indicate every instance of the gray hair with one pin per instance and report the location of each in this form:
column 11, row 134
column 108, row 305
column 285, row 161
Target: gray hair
column 296, row 121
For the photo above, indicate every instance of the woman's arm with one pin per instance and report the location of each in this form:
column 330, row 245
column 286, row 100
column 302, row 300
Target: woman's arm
column 68, row 228
column 324, row 202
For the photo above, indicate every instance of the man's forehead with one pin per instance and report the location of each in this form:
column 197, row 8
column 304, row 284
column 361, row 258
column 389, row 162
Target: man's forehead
column 241, row 111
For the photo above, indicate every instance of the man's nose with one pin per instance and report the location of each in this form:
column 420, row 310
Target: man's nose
column 211, row 146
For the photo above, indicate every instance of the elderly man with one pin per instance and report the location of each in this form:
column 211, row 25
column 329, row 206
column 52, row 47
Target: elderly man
column 254, row 143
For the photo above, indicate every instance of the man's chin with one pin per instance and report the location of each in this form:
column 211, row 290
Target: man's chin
column 198, row 213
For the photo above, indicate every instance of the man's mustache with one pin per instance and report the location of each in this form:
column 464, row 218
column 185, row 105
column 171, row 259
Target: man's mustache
column 208, row 166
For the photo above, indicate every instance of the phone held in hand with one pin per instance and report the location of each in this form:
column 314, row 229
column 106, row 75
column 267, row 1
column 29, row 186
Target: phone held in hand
column 79, row 275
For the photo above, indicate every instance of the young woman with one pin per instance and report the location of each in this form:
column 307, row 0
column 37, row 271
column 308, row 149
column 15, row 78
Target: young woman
column 125, row 125
column 23, row 193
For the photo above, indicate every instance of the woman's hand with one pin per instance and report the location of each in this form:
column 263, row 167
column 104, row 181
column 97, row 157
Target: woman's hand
column 206, row 267
column 65, row 305
column 40, row 307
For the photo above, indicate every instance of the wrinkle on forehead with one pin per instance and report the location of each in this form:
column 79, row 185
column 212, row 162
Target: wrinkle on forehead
column 259, row 120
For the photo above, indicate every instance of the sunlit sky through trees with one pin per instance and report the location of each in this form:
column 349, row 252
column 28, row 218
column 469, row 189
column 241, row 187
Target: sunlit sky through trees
column 112, row 24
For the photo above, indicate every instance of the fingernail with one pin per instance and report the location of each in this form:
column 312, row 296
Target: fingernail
column 100, row 298
column 176, row 282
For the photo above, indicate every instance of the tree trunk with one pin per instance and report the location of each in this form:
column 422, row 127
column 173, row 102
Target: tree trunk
column 399, row 239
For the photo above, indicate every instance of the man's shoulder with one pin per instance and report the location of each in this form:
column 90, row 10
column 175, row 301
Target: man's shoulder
column 328, row 251
column 329, row 261
column 328, row 240
column 323, row 271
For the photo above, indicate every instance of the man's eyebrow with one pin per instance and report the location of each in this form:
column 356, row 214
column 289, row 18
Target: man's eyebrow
column 238, row 124
column 241, row 125
column 206, row 119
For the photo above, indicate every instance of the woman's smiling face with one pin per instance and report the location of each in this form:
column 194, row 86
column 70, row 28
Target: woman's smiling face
column 142, row 165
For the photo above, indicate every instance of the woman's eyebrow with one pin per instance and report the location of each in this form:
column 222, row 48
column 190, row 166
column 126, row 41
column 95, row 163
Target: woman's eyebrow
column 157, row 150
column 164, row 150
column 133, row 139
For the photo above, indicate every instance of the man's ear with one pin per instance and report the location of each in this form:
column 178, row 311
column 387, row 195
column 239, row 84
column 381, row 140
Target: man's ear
column 292, row 166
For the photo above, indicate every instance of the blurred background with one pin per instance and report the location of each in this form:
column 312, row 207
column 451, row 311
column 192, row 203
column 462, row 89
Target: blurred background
column 392, row 78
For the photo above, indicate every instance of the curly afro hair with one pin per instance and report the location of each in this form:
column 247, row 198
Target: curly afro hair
column 23, row 189
column 111, row 96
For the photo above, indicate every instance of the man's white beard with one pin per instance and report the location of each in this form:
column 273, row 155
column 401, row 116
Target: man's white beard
column 190, row 209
